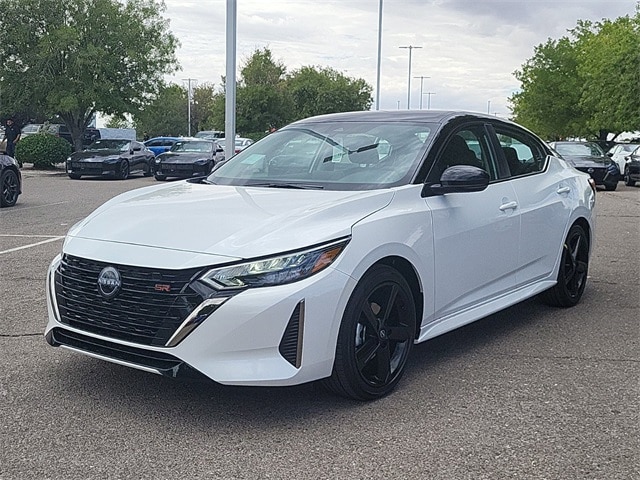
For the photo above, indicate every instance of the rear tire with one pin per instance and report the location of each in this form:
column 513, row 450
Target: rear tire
column 572, row 275
column 375, row 337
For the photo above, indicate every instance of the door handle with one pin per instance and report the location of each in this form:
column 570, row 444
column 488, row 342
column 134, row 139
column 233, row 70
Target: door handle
column 509, row 206
column 563, row 190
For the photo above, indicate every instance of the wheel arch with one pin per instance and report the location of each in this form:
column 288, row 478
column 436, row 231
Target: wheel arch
column 407, row 270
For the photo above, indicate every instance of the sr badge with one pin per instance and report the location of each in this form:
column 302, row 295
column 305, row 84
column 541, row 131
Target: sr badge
column 109, row 282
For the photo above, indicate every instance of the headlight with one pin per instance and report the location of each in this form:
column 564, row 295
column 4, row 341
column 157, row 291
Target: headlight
column 279, row 270
column 111, row 160
column 201, row 161
column 68, row 159
column 158, row 159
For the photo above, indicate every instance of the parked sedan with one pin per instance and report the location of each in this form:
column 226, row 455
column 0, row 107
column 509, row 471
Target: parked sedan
column 590, row 158
column 117, row 158
column 632, row 168
column 242, row 143
column 325, row 251
column 187, row 158
column 160, row 145
column 620, row 152
column 10, row 181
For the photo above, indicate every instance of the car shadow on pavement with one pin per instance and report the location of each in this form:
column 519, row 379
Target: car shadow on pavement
column 204, row 404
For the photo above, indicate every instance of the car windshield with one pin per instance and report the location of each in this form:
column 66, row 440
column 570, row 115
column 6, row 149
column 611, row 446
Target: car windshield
column 109, row 144
column 338, row 156
column 192, row 147
column 579, row 149
column 30, row 128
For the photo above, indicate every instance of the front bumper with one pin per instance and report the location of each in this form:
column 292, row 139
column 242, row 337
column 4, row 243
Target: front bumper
column 182, row 170
column 604, row 175
column 272, row 336
column 94, row 169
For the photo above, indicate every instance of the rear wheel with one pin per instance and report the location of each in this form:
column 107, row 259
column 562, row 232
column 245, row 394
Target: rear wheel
column 123, row 172
column 10, row 188
column 375, row 337
column 572, row 275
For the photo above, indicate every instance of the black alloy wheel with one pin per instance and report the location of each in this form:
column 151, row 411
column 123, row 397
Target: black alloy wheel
column 123, row 172
column 149, row 170
column 572, row 275
column 10, row 188
column 376, row 336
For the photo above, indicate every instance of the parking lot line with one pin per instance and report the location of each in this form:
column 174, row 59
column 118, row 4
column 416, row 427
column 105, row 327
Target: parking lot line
column 49, row 240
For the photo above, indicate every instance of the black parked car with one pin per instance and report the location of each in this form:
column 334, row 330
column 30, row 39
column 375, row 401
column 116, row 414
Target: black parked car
column 10, row 181
column 632, row 168
column 112, row 158
column 590, row 158
column 188, row 158
column 89, row 135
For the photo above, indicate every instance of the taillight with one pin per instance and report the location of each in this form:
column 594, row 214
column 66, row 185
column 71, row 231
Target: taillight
column 592, row 184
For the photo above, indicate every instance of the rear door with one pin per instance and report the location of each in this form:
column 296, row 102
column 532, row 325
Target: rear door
column 543, row 195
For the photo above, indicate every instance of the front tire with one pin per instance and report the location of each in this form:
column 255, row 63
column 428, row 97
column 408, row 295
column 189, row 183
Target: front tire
column 572, row 275
column 10, row 188
column 74, row 176
column 376, row 336
column 160, row 178
column 123, row 173
column 627, row 178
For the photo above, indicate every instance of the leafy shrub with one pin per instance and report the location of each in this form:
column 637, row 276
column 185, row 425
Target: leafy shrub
column 43, row 150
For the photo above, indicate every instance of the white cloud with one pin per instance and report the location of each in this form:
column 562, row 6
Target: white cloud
column 470, row 49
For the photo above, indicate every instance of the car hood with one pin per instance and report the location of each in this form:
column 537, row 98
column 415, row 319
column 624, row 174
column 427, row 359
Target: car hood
column 185, row 157
column 586, row 161
column 95, row 155
column 228, row 221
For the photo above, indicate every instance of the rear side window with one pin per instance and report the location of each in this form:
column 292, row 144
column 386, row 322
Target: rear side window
column 523, row 153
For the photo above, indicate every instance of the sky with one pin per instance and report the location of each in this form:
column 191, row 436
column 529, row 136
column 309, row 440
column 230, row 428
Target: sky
column 469, row 49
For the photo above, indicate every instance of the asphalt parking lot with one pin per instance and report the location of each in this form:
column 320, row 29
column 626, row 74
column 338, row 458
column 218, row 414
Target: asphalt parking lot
column 530, row 393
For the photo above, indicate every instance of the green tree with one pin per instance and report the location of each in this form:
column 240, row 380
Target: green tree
column 77, row 57
column 165, row 115
column 267, row 96
column 609, row 68
column 585, row 84
column 315, row 91
column 548, row 102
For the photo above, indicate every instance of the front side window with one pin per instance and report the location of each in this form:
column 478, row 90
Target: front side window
column 467, row 146
column 339, row 156
column 521, row 151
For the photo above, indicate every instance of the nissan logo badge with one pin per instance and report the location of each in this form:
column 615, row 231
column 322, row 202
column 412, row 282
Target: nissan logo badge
column 109, row 282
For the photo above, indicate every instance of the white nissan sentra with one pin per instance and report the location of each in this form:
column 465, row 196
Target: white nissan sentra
column 325, row 251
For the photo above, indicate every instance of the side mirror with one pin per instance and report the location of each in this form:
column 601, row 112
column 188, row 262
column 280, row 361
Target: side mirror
column 458, row 179
column 609, row 154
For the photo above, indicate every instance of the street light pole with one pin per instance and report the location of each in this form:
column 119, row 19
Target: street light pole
column 189, row 80
column 428, row 94
column 410, row 47
column 379, row 56
column 421, row 83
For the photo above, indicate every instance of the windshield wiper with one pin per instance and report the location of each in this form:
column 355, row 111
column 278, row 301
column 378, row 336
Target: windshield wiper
column 297, row 186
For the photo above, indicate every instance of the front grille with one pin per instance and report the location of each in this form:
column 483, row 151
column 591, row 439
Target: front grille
column 87, row 169
column 597, row 173
column 150, row 306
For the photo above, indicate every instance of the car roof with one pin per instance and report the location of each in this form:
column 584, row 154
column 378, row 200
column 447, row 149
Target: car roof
column 430, row 116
